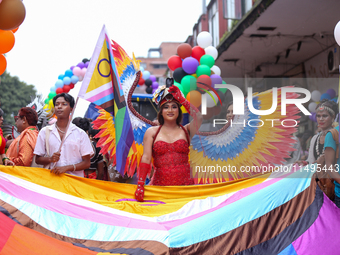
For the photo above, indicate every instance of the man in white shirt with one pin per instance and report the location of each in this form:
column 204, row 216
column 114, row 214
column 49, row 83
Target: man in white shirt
column 76, row 151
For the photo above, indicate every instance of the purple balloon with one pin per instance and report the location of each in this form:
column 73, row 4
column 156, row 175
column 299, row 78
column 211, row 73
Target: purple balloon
column 153, row 78
column 72, row 67
column 215, row 79
column 87, row 64
column 331, row 92
column 155, row 85
column 153, row 90
column 313, row 116
column 81, row 65
column 190, row 65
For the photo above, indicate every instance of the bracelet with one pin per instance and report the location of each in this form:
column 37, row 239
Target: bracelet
column 3, row 160
column 74, row 167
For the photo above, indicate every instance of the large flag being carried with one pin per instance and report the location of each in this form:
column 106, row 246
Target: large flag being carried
column 43, row 213
column 101, row 86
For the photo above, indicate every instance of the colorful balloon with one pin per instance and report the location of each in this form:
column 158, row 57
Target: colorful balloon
column 152, row 78
column 184, row 50
column 216, row 70
column 51, row 95
column 215, row 79
column 190, row 65
column 203, row 70
column 204, row 39
column 316, row 95
column 74, row 79
column 12, row 14
column 77, row 71
column 325, row 96
column 7, row 41
column 194, row 97
column 212, row 51
column 174, row 62
column 66, row 88
column 188, row 83
column 207, row 60
column 331, row 93
column 146, row 75
column 68, row 73
column 66, row 80
column 59, row 84
column 197, row 52
column 203, row 81
column 178, row 74
column 59, row 90
column 141, row 81
column 3, row 64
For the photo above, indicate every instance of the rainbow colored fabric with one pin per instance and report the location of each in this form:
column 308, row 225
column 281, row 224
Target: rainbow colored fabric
column 102, row 87
column 47, row 214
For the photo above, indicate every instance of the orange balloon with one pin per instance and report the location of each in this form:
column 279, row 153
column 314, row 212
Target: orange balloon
column 12, row 14
column 195, row 98
column 14, row 30
column 3, row 64
column 7, row 41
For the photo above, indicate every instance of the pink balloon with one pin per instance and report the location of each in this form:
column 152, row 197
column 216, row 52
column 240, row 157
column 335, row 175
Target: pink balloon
column 80, row 78
column 77, row 71
column 83, row 71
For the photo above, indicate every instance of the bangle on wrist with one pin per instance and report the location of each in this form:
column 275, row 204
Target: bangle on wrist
column 3, row 160
column 74, row 167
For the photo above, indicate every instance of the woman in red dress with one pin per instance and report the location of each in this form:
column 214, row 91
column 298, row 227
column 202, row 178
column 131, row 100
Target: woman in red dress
column 168, row 143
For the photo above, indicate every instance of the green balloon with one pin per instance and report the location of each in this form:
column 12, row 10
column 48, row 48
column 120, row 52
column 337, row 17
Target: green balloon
column 47, row 100
column 189, row 83
column 178, row 85
column 51, row 95
column 224, row 90
column 207, row 60
column 203, row 69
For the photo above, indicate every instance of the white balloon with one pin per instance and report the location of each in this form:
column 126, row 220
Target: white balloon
column 211, row 50
column 80, row 78
column 337, row 33
column 210, row 101
column 204, row 39
column 316, row 95
column 216, row 70
column 312, row 107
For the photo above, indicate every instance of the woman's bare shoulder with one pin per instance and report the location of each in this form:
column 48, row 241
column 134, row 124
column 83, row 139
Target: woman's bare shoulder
column 151, row 131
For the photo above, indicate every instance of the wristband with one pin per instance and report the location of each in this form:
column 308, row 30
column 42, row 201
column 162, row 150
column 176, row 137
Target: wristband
column 3, row 160
column 74, row 167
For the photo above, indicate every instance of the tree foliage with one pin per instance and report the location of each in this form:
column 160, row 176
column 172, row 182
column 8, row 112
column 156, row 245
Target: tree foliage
column 14, row 94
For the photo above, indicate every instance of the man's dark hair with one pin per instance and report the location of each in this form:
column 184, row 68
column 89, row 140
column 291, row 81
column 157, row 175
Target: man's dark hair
column 68, row 98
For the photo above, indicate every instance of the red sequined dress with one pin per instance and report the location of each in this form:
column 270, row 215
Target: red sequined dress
column 171, row 162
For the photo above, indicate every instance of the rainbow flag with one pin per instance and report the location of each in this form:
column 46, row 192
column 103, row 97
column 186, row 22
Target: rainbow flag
column 43, row 213
column 101, row 86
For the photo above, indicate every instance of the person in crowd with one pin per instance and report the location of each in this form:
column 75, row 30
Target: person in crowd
column 20, row 152
column 326, row 112
column 332, row 162
column 169, row 142
column 4, row 159
column 96, row 169
column 76, row 150
column 230, row 113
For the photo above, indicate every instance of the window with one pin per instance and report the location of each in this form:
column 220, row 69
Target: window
column 235, row 9
column 159, row 66
column 213, row 24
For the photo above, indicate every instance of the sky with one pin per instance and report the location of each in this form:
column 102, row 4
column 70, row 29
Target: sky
column 56, row 35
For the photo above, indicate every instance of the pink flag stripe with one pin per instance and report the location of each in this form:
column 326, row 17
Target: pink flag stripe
column 73, row 210
column 100, row 95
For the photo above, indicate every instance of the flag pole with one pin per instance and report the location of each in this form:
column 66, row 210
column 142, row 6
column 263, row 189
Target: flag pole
column 68, row 124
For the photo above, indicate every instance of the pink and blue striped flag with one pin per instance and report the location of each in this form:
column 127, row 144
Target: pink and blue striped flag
column 101, row 86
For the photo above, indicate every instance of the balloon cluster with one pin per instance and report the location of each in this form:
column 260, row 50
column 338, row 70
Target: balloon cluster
column 12, row 14
column 317, row 97
column 67, row 81
column 194, row 68
column 149, row 80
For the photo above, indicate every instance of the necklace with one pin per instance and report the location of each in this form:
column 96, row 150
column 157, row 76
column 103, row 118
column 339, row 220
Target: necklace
column 63, row 132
